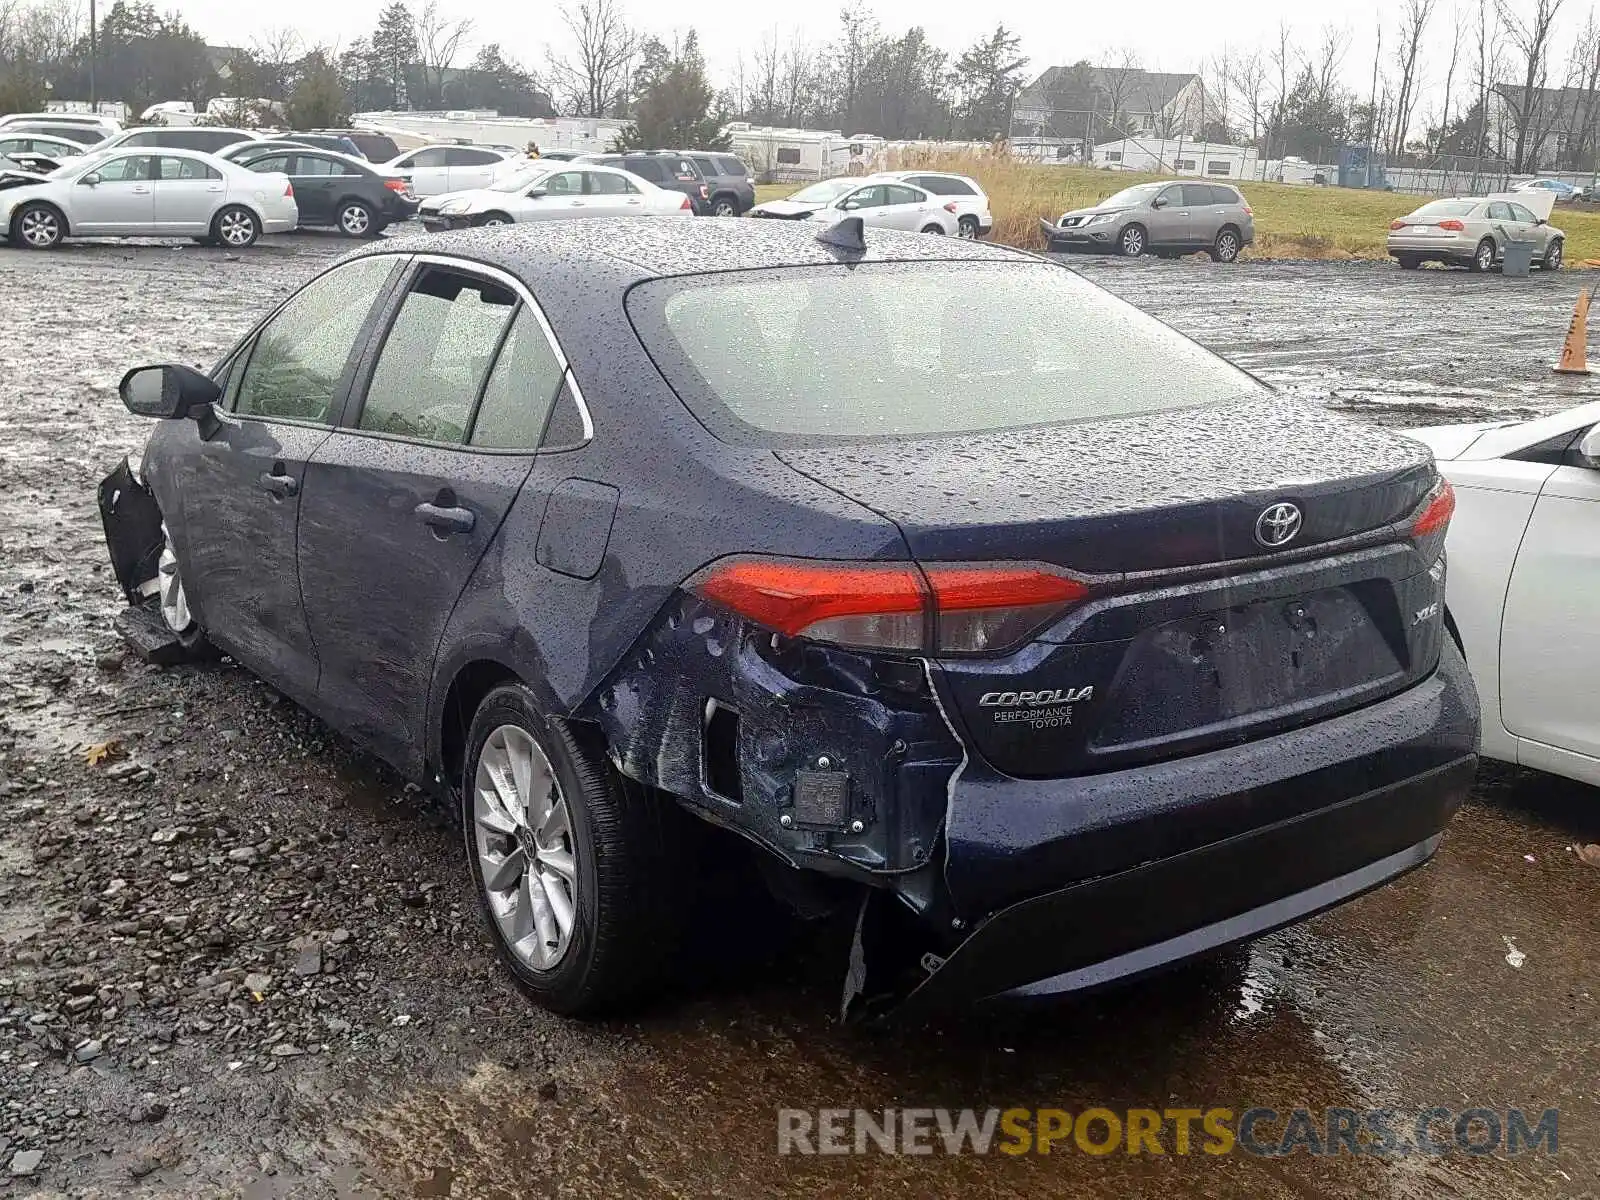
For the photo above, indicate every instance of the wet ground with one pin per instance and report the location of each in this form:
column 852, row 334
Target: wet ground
column 237, row 958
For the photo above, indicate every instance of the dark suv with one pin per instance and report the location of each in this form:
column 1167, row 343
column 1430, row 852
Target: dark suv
column 733, row 192
column 666, row 169
column 374, row 147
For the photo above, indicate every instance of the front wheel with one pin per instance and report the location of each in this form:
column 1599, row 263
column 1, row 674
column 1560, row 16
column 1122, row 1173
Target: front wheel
column 172, row 598
column 580, row 873
column 38, row 227
column 1131, row 242
column 236, row 227
column 1226, row 248
column 495, row 218
column 1483, row 256
column 1552, row 256
column 356, row 220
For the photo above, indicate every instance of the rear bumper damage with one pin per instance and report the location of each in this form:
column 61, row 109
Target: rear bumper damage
column 1012, row 887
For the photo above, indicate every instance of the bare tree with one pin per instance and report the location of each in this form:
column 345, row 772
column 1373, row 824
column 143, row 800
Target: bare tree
column 1486, row 68
column 1325, row 69
column 1117, row 81
column 1217, row 97
column 594, row 79
column 797, row 72
column 857, row 39
column 276, row 52
column 768, row 86
column 1250, row 80
column 1283, row 56
column 1530, row 42
column 1583, row 77
column 439, row 39
column 1414, row 18
column 1449, row 79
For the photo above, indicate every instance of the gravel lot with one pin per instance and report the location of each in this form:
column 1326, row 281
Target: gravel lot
column 238, row 958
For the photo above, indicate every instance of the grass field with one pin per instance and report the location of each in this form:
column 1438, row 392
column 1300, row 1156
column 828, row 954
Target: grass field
column 1291, row 221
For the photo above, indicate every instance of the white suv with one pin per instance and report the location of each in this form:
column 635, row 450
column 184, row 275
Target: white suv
column 972, row 206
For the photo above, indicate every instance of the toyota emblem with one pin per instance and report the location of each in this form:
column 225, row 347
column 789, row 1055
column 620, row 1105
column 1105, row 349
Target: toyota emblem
column 1278, row 525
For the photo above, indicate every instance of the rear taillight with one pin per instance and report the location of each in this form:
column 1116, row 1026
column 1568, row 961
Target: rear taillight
column 288, row 190
column 705, row 192
column 1453, row 225
column 396, row 185
column 686, row 204
column 1397, row 224
column 937, row 608
column 1436, row 514
column 951, row 207
column 1248, row 211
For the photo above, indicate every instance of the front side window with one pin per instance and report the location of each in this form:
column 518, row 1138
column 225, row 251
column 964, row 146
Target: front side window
column 140, row 139
column 1522, row 214
column 645, row 168
column 133, row 168
column 1499, row 211
column 812, row 355
column 564, row 183
column 436, row 357
column 523, row 385
column 301, row 354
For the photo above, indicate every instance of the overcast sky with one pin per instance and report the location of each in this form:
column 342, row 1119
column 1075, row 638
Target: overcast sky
column 1169, row 35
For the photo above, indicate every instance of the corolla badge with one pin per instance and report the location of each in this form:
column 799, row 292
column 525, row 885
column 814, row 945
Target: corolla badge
column 1278, row 525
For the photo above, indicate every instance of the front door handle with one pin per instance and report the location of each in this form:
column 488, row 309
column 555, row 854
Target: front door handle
column 279, row 485
column 445, row 520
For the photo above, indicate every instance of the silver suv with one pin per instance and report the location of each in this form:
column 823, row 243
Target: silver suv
column 1167, row 218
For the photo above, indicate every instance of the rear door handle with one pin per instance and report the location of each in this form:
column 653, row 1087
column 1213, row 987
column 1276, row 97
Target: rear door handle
column 279, row 485
column 445, row 520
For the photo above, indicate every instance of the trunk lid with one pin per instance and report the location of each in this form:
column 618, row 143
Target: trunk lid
column 1195, row 634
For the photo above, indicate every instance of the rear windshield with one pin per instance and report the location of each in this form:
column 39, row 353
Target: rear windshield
column 1446, row 208
column 812, row 355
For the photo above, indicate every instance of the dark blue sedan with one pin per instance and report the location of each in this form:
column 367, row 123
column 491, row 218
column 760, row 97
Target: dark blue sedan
column 1034, row 640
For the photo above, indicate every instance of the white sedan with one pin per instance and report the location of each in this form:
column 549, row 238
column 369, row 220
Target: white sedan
column 880, row 202
column 1523, row 589
column 437, row 170
column 552, row 191
column 146, row 193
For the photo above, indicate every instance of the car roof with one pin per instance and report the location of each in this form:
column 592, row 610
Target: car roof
column 631, row 250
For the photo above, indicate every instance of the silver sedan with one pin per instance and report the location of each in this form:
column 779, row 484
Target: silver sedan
column 1472, row 232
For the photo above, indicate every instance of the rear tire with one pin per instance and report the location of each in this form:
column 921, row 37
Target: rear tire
column 1227, row 246
column 38, row 226
column 968, row 228
column 1553, row 256
column 1483, row 256
column 356, row 220
column 724, row 206
column 235, row 227
column 616, row 861
column 935, row 229
column 1132, row 241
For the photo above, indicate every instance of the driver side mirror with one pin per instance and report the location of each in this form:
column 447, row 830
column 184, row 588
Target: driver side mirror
column 536, row 193
column 1589, row 449
column 169, row 392
column 1159, row 202
column 92, row 179
column 849, row 205
column 1540, row 221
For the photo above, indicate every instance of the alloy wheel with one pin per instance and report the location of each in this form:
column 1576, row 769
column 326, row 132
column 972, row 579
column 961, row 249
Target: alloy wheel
column 525, row 847
column 174, row 600
column 1133, row 242
column 1485, row 256
column 1227, row 247
column 41, row 228
column 494, row 221
column 967, row 229
column 725, row 208
column 237, row 228
column 355, row 220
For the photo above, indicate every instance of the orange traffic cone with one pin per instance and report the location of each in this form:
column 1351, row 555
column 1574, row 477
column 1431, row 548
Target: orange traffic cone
column 1575, row 350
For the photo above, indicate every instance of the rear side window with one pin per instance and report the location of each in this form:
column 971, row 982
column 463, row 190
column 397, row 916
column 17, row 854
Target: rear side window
column 604, row 183
column 812, row 355
column 426, row 158
column 470, row 158
column 1195, row 194
column 944, row 185
column 645, row 168
column 903, row 195
column 731, row 166
column 436, row 357
column 522, row 387
column 184, row 168
column 316, row 164
column 707, row 165
column 270, row 164
column 301, row 354
column 147, row 138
